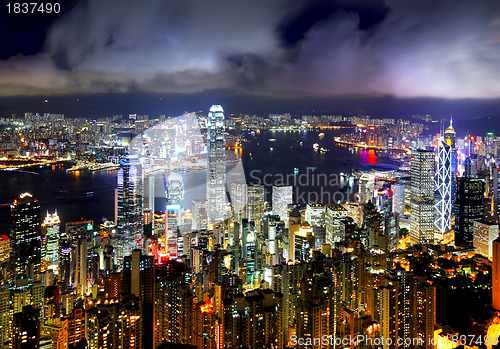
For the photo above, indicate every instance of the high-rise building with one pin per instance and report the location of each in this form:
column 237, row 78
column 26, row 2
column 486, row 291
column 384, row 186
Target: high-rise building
column 422, row 196
column 398, row 198
column 216, row 165
column 334, row 215
column 315, row 214
column 129, row 220
column 239, row 200
column 282, row 197
column 450, row 139
column 26, row 237
column 468, row 208
column 443, row 179
column 50, row 230
column 484, row 233
column 255, row 203
column 4, row 249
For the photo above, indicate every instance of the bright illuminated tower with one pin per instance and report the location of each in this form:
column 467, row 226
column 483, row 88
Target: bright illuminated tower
column 175, row 198
column 422, row 196
column 216, row 165
column 450, row 139
column 50, row 229
column 26, row 236
column 443, row 179
column 129, row 221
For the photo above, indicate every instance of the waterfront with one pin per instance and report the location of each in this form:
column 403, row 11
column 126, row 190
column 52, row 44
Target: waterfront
column 90, row 194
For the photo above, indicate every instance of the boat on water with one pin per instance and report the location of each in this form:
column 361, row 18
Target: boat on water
column 316, row 146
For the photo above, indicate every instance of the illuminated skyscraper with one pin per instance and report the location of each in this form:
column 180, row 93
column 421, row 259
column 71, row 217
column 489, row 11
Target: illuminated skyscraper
column 50, row 229
column 282, row 197
column 443, row 179
column 26, row 236
column 450, row 139
column 216, row 165
column 129, row 221
column 422, row 196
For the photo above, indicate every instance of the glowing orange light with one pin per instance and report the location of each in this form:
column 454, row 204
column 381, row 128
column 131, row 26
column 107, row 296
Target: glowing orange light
column 207, row 308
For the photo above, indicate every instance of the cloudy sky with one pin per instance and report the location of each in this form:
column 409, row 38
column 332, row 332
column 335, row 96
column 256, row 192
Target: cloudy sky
column 402, row 49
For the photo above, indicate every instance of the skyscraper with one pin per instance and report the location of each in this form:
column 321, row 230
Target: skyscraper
column 282, row 197
column 450, row 139
column 129, row 220
column 216, row 164
column 443, row 179
column 26, row 236
column 468, row 208
column 422, row 196
column 50, row 229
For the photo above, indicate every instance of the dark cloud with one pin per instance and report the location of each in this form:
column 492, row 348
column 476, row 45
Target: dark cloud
column 306, row 14
column 280, row 47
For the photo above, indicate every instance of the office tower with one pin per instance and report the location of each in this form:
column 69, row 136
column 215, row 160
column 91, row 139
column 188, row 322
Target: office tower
column 471, row 166
column 443, row 182
column 239, row 201
column 495, row 275
column 355, row 211
column 216, row 165
column 4, row 249
column 255, row 201
column 199, row 215
column 173, row 214
column 450, row 139
column 114, row 324
column 334, row 215
column 398, row 198
column 282, row 197
column 304, row 242
column 26, row 328
column 468, row 208
column 484, row 232
column 366, row 188
column 129, row 222
column 173, row 302
column 50, row 229
column 26, row 237
column 422, row 196
column 315, row 214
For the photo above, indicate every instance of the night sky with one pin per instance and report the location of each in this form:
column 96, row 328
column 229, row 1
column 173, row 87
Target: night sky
column 379, row 57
